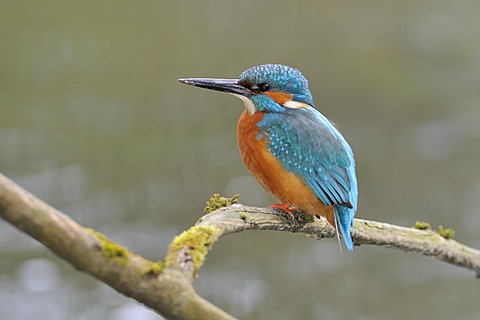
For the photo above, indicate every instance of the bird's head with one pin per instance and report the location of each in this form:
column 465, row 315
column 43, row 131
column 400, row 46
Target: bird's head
column 266, row 88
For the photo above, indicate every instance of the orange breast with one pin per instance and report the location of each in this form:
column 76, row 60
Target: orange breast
column 269, row 171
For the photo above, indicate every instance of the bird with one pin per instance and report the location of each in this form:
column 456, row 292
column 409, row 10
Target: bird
column 296, row 153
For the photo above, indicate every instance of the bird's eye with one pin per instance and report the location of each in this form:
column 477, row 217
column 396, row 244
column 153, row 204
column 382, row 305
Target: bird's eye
column 263, row 87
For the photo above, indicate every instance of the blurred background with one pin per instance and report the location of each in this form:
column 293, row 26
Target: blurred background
column 93, row 121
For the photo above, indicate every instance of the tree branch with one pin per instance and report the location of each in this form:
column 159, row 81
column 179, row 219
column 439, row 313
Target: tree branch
column 166, row 286
column 161, row 288
column 237, row 218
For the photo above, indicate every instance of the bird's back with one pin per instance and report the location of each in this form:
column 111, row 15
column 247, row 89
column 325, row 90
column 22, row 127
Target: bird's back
column 295, row 152
column 300, row 157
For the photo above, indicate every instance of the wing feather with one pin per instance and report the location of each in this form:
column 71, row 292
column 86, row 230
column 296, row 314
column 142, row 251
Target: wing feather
column 307, row 144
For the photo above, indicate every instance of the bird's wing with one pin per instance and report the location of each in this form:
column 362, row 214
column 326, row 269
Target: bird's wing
column 307, row 144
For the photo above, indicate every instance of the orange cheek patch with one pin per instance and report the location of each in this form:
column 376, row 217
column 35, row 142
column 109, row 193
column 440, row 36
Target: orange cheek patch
column 279, row 97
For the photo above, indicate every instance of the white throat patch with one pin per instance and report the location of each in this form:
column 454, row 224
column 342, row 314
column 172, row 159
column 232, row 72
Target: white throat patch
column 248, row 104
column 295, row 104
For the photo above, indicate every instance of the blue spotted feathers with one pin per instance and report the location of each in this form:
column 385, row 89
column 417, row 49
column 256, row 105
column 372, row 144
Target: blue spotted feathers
column 307, row 143
column 304, row 148
column 279, row 77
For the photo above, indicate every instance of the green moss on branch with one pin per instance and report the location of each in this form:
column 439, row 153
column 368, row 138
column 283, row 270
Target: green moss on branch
column 111, row 250
column 216, row 202
column 195, row 244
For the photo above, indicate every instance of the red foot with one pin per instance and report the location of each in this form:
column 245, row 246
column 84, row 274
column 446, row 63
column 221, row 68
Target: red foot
column 285, row 207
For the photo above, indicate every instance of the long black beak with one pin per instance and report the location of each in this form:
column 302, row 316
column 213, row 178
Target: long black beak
column 224, row 85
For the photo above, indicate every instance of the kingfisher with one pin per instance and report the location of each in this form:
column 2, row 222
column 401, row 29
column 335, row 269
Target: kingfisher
column 294, row 151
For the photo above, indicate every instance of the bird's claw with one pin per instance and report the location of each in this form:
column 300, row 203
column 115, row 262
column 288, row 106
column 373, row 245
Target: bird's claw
column 285, row 208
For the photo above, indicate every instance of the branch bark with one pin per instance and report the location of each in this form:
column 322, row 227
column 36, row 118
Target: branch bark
column 166, row 287
column 237, row 218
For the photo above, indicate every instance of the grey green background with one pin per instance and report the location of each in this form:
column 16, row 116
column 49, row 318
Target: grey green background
column 93, row 121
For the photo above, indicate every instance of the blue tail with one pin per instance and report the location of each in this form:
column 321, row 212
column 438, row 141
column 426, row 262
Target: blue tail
column 344, row 221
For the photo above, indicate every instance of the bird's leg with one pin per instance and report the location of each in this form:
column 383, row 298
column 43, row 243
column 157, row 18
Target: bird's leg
column 285, row 207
